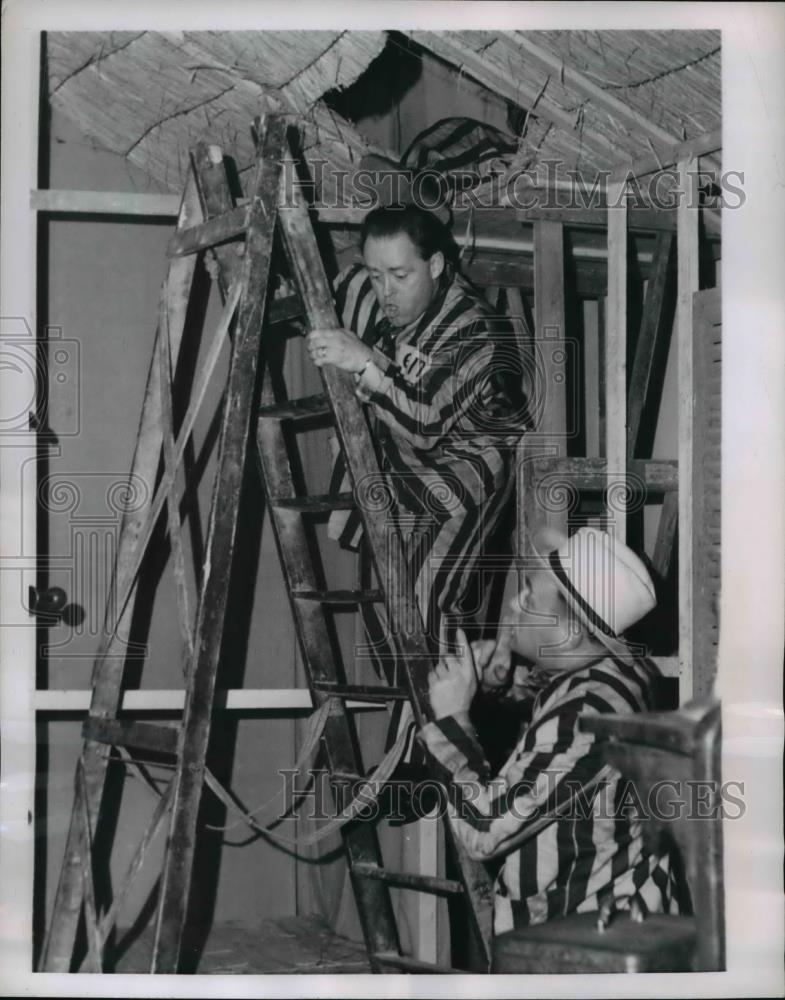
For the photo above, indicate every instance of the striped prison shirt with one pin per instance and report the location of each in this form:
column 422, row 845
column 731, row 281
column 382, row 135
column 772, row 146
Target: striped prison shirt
column 596, row 849
column 464, row 151
column 450, row 410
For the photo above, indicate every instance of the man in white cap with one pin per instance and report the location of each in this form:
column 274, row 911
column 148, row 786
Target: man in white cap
column 579, row 595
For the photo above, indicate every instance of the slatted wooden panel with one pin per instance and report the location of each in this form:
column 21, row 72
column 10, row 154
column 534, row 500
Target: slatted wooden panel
column 707, row 375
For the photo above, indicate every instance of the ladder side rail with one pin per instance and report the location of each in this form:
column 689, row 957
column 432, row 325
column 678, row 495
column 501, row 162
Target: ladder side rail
column 356, row 443
column 339, row 741
column 211, row 614
column 108, row 670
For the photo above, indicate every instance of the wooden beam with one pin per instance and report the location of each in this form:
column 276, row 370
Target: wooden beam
column 166, row 206
column 687, row 285
column 639, row 219
column 666, row 535
column 701, row 145
column 589, row 277
column 616, row 361
column 106, row 203
column 602, row 331
column 532, row 517
column 152, row 737
column 550, row 339
column 517, row 316
column 228, row 226
column 506, row 84
column 655, row 476
column 706, row 486
column 650, row 340
column 173, row 700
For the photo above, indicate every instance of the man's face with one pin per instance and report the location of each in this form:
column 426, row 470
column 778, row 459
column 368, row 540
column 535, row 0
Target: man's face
column 404, row 283
column 539, row 620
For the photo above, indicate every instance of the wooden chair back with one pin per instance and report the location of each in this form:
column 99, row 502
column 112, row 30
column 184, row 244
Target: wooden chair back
column 673, row 760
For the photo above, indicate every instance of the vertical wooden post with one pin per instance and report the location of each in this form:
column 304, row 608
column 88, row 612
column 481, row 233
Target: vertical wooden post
column 705, row 487
column 550, row 343
column 650, row 345
column 687, row 218
column 21, row 69
column 616, row 361
column 602, row 313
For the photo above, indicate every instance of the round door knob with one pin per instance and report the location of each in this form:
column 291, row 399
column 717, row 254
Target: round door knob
column 51, row 606
column 48, row 602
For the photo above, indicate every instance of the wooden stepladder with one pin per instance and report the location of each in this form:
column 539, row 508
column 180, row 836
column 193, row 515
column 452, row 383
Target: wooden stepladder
column 208, row 219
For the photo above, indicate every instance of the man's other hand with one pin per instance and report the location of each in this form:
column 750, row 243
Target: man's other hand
column 453, row 681
column 494, row 661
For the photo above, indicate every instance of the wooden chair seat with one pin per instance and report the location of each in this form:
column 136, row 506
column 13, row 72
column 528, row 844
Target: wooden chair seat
column 572, row 944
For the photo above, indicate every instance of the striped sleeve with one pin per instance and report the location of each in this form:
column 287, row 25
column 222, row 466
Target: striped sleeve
column 552, row 761
column 358, row 310
column 454, row 386
column 490, row 815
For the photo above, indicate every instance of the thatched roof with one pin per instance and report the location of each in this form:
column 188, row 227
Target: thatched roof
column 596, row 98
column 151, row 96
column 592, row 99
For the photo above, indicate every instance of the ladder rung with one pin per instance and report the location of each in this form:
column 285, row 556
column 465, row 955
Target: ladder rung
column 410, row 880
column 406, row 964
column 290, row 409
column 140, row 735
column 346, row 777
column 317, row 503
column 339, row 596
column 367, row 692
column 223, row 227
column 285, row 308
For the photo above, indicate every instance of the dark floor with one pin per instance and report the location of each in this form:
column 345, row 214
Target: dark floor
column 285, row 945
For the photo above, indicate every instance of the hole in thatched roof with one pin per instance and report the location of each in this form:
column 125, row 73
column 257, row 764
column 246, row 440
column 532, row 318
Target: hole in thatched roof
column 403, row 64
column 381, row 87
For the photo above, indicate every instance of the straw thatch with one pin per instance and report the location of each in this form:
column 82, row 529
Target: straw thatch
column 593, row 100
column 597, row 99
column 151, row 96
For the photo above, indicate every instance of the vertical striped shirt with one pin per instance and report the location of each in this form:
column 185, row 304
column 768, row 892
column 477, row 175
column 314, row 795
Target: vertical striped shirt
column 593, row 851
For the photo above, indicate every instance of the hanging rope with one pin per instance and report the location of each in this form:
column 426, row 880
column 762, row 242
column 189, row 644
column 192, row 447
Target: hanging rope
column 369, row 792
column 313, row 734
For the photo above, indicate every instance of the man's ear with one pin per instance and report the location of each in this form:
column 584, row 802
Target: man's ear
column 436, row 264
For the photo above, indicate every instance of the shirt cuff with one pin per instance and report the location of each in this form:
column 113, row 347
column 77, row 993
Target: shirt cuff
column 372, row 380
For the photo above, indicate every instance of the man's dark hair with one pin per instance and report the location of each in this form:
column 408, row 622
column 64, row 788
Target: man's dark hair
column 423, row 228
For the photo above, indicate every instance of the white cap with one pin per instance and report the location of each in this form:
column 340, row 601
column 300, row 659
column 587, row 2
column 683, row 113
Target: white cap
column 602, row 580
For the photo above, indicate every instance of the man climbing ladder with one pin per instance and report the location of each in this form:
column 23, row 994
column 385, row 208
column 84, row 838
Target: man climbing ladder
column 445, row 397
